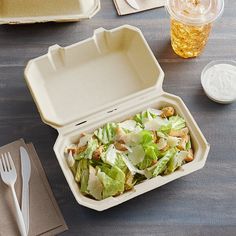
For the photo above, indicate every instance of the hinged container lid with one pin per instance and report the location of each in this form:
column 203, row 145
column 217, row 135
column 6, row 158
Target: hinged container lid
column 71, row 83
column 33, row 11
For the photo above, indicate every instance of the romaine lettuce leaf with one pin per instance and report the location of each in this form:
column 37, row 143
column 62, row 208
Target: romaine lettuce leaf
column 83, row 171
column 165, row 129
column 150, row 149
column 145, row 116
column 162, row 163
column 151, row 155
column 78, row 172
column 145, row 137
column 177, row 122
column 120, row 163
column 107, row 133
column 113, row 181
column 188, row 145
column 176, row 161
column 88, row 153
column 138, row 118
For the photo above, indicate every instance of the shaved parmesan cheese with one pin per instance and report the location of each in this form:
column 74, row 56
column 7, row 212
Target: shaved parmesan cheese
column 161, row 144
column 70, row 147
column 137, row 155
column 70, row 159
column 95, row 187
column 131, row 167
column 137, row 129
column 180, row 156
column 155, row 124
column 128, row 124
column 161, row 135
column 131, row 138
column 155, row 111
column 84, row 140
column 134, row 169
column 111, row 155
column 173, row 141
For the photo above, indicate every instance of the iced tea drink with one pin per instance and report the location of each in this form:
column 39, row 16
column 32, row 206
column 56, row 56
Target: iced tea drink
column 191, row 23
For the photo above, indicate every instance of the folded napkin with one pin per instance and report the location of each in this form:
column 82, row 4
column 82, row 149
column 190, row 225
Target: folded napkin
column 45, row 216
column 123, row 8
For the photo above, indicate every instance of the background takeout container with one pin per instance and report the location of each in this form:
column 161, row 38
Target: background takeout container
column 33, row 11
column 108, row 77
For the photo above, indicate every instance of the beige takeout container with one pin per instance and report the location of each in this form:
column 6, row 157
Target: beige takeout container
column 108, row 77
column 33, row 11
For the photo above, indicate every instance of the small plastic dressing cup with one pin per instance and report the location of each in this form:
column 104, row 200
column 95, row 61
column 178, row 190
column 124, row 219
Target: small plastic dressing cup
column 218, row 80
column 191, row 23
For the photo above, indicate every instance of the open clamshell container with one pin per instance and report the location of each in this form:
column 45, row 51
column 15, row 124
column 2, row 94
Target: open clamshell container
column 33, row 11
column 108, row 77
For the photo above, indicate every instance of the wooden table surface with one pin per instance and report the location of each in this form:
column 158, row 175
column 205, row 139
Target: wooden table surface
column 203, row 203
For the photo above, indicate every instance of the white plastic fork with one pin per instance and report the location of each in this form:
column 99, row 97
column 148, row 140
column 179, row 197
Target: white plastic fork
column 8, row 174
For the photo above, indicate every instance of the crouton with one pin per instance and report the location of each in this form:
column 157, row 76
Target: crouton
column 190, row 156
column 179, row 133
column 183, row 142
column 167, row 112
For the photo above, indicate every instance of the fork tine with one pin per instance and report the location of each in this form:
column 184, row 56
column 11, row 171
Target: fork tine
column 1, row 165
column 11, row 161
column 4, row 163
column 7, row 162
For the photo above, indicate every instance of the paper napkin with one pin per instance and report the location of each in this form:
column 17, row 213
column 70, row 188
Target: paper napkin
column 123, row 8
column 45, row 216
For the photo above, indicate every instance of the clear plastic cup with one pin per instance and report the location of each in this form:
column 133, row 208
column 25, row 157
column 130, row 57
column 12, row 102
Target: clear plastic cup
column 191, row 23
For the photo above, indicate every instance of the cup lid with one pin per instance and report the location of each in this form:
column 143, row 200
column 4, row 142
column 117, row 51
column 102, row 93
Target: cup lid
column 195, row 12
